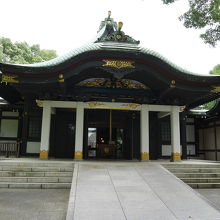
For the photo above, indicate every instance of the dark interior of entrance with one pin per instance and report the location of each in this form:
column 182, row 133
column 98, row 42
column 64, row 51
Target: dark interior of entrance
column 62, row 133
column 111, row 134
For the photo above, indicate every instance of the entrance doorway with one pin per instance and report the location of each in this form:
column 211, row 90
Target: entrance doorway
column 62, row 137
column 111, row 134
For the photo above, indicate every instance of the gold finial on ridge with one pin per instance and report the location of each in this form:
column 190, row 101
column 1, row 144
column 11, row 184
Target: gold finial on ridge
column 120, row 24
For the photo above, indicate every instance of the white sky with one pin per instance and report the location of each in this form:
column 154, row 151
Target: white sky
column 67, row 24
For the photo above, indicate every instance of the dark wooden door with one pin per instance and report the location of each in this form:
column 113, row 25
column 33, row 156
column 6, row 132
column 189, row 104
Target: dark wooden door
column 64, row 138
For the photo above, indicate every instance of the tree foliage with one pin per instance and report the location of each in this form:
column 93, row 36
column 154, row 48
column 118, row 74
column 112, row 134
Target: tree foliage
column 216, row 70
column 203, row 14
column 22, row 53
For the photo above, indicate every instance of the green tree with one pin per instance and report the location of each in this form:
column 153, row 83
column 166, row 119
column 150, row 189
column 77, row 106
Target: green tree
column 203, row 14
column 22, row 53
column 216, row 70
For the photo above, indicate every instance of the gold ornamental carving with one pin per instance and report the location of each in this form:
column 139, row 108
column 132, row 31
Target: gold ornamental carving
column 172, row 84
column 61, row 78
column 96, row 83
column 94, row 104
column 131, row 105
column 119, row 64
column 106, row 83
column 39, row 103
column 182, row 108
column 215, row 89
column 9, row 78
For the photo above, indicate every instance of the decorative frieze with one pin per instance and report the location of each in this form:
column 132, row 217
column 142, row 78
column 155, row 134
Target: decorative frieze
column 119, row 64
column 9, row 78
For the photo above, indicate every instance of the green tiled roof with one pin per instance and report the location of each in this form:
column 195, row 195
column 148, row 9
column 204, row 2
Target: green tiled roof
column 108, row 46
column 108, row 29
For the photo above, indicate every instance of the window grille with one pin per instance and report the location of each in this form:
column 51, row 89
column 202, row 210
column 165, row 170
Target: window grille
column 165, row 131
column 34, row 130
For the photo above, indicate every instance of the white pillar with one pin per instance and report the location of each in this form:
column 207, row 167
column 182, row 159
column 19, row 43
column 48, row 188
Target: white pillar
column 144, row 132
column 79, row 131
column 45, row 131
column 175, row 134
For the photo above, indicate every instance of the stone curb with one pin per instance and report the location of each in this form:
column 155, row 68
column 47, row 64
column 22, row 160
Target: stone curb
column 72, row 197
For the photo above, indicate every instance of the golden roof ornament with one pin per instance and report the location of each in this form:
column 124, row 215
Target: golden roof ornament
column 120, row 24
column 113, row 32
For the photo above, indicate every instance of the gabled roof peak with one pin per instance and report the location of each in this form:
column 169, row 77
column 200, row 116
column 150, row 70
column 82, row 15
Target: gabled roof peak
column 109, row 30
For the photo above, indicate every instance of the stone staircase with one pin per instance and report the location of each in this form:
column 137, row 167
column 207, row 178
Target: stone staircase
column 36, row 175
column 197, row 176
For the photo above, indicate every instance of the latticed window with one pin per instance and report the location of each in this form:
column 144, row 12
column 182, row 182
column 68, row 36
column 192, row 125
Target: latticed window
column 34, row 130
column 165, row 131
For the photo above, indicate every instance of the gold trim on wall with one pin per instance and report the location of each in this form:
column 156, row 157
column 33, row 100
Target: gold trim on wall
column 131, row 105
column 175, row 156
column 78, row 155
column 145, row 156
column 101, row 105
column 94, row 104
column 44, row 154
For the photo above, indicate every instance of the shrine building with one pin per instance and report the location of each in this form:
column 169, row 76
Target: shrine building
column 109, row 99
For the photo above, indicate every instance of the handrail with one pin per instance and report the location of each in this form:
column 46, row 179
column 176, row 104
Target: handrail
column 8, row 149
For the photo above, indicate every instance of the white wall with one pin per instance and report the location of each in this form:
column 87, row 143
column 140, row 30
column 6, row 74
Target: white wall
column 190, row 133
column 9, row 128
column 13, row 114
column 33, row 147
column 201, row 142
column 166, row 150
column 209, row 138
column 191, row 120
column 218, row 137
column 191, row 150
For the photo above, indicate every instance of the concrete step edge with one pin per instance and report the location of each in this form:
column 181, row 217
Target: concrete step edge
column 204, row 185
column 36, row 185
column 36, row 164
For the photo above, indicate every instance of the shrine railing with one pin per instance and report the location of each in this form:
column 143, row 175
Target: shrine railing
column 8, row 149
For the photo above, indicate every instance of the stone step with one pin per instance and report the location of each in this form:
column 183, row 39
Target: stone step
column 35, row 169
column 194, row 170
column 201, row 180
column 36, row 179
column 35, row 185
column 37, row 164
column 198, row 175
column 168, row 166
column 204, row 185
column 35, row 174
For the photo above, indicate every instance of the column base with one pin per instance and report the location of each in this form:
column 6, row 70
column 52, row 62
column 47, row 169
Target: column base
column 44, row 154
column 78, row 155
column 175, row 157
column 144, row 156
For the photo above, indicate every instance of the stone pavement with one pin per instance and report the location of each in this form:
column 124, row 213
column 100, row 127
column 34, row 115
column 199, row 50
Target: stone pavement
column 133, row 191
column 213, row 195
column 33, row 204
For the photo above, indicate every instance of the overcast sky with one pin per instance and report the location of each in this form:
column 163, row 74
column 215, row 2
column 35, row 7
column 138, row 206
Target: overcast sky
column 67, row 24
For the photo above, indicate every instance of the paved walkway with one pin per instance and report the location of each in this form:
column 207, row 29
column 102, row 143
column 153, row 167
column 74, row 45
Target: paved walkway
column 133, row 191
column 33, row 204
